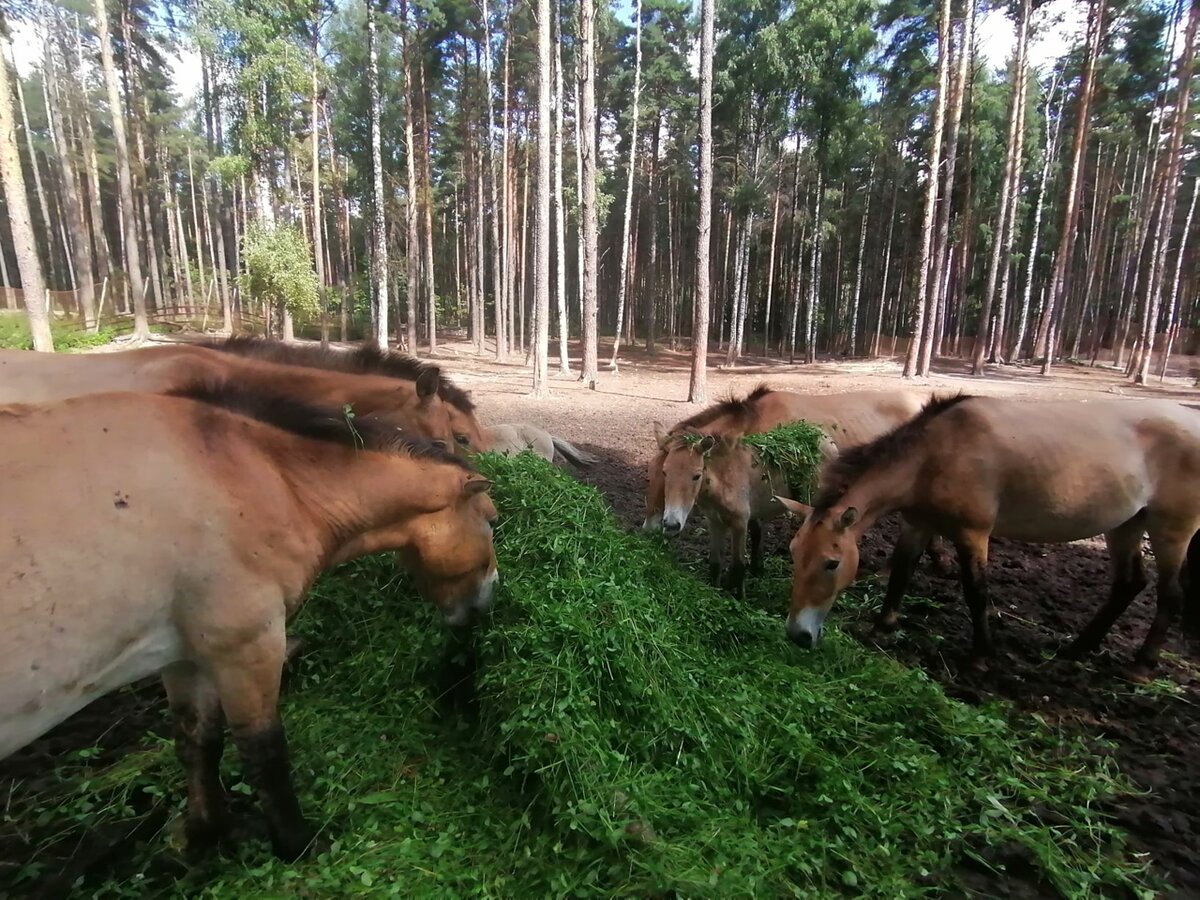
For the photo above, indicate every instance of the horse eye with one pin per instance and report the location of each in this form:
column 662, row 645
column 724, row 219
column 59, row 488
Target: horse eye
column 462, row 440
column 832, row 564
column 696, row 477
column 441, row 445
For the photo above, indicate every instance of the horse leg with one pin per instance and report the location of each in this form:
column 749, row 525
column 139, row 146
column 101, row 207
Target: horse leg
column 972, row 549
column 716, row 550
column 756, row 555
column 199, row 742
column 911, row 544
column 247, row 678
column 1170, row 546
column 736, row 581
column 1191, row 589
column 1128, row 580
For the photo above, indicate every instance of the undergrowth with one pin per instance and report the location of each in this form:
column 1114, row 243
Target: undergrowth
column 636, row 733
column 14, row 335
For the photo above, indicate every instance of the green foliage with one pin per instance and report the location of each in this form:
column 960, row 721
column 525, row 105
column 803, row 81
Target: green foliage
column 795, row 450
column 638, row 734
column 228, row 169
column 279, row 269
column 14, row 335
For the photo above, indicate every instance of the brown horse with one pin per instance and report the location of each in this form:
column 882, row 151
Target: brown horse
column 1049, row 472
column 699, row 462
column 416, row 404
column 367, row 360
column 177, row 534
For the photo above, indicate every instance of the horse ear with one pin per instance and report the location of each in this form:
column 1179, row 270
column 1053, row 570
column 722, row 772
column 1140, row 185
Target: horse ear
column 660, row 435
column 795, row 507
column 476, row 486
column 428, row 383
column 849, row 517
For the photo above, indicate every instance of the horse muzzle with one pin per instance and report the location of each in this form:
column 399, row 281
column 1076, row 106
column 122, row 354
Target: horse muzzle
column 470, row 608
column 673, row 521
column 806, row 627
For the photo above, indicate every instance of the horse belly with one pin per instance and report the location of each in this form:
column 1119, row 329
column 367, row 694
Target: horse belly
column 32, row 705
column 1072, row 512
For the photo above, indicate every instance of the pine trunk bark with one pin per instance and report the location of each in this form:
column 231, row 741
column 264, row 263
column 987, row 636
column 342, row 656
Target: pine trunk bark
column 623, row 289
column 412, row 260
column 542, row 224
column 560, row 225
column 698, row 387
column 587, row 148
column 379, row 261
column 1062, row 259
column 427, row 269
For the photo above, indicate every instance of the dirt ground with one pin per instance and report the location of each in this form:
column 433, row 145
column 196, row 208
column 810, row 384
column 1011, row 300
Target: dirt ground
column 1043, row 594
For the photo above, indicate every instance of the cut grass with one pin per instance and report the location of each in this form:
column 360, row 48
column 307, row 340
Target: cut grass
column 637, row 733
column 793, row 449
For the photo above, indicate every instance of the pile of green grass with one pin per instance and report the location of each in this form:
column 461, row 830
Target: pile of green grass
column 636, row 733
column 793, row 449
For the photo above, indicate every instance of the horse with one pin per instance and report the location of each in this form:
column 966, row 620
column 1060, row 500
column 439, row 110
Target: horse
column 367, row 360
column 518, row 438
column 971, row 467
column 699, row 462
column 176, row 534
column 416, row 405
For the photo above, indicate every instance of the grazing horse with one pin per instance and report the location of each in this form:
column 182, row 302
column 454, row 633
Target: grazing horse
column 367, row 360
column 416, row 405
column 700, row 462
column 519, row 438
column 176, row 534
column 969, row 468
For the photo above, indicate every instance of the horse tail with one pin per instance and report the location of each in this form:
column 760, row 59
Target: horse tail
column 573, row 454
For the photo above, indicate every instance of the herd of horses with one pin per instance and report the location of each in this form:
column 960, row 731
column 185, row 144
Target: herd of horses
column 167, row 508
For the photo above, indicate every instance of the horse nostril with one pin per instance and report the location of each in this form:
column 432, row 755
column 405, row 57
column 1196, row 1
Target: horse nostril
column 671, row 529
column 802, row 639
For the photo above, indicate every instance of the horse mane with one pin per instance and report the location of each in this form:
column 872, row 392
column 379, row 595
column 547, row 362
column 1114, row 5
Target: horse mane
column 362, row 360
column 734, row 408
column 846, row 468
column 314, row 421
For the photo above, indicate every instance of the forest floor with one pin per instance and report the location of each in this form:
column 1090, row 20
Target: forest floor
column 1042, row 594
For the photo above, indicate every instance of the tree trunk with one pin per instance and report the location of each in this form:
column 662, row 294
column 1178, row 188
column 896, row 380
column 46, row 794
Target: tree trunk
column 560, row 227
column 318, row 220
column 933, row 336
column 623, row 289
column 488, row 161
column 698, row 388
column 1058, row 281
column 33, row 285
column 983, row 329
column 504, row 310
column 81, row 244
column 541, row 248
column 412, row 260
column 1174, row 295
column 39, row 188
column 133, row 265
column 771, row 270
column 814, row 281
column 858, row 275
column 1170, row 192
column 996, row 341
column 887, row 266
column 379, row 260
column 587, row 149
column 427, row 270
column 1049, row 152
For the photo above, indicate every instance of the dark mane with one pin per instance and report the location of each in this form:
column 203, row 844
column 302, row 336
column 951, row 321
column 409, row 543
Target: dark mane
column 732, row 407
column 315, row 422
column 846, row 468
column 363, row 360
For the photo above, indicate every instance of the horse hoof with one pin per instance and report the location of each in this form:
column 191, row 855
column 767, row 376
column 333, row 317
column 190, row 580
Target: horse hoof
column 1139, row 672
column 1073, row 652
column 202, row 837
column 885, row 626
column 296, row 844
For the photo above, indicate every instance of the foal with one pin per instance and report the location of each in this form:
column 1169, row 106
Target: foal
column 177, row 534
column 972, row 467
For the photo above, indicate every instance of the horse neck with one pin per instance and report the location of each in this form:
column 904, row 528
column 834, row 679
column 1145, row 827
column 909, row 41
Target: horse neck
column 348, row 493
column 883, row 488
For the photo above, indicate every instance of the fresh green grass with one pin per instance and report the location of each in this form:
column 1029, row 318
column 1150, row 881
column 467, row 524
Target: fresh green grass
column 14, row 335
column 793, row 449
column 637, row 733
